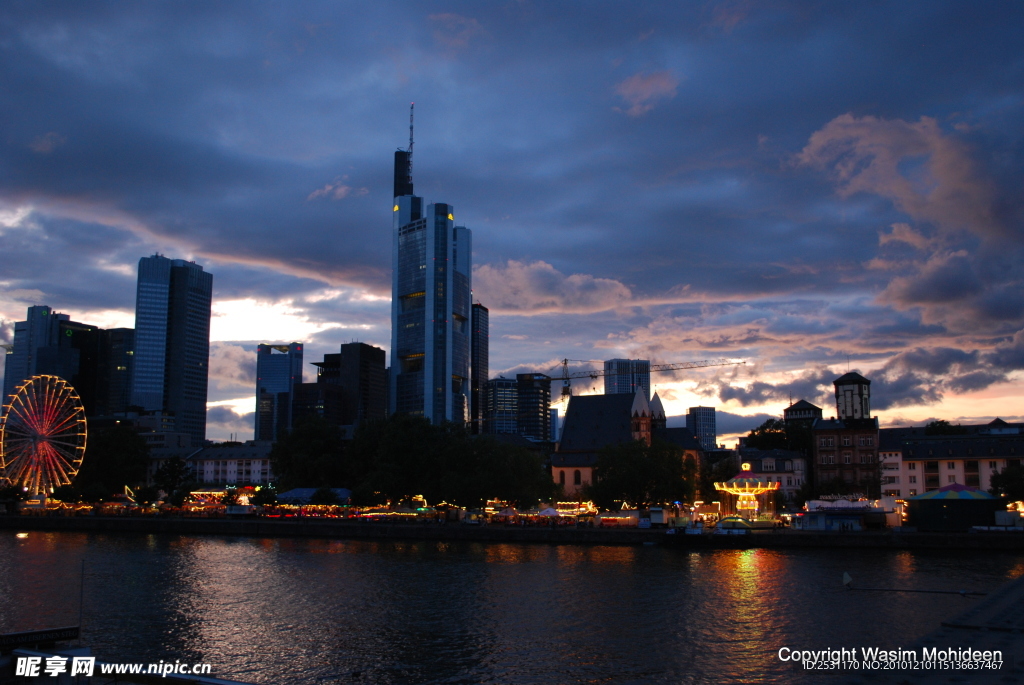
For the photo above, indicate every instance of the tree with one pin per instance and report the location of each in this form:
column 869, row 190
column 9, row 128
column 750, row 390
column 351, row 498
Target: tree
column 324, row 496
column 115, row 457
column 1009, row 483
column 310, row 455
column 264, row 496
column 405, row 456
column 171, row 474
column 230, row 497
column 719, row 472
column 642, row 475
column 941, row 427
column 770, row 435
column 147, row 495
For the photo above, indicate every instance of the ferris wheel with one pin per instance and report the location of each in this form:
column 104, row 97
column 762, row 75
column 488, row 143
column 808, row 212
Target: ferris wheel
column 42, row 435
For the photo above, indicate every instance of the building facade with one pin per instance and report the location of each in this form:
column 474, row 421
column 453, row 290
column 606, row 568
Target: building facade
column 788, row 468
column 233, row 463
column 359, row 371
column 701, row 422
column 627, row 376
column 916, row 460
column 172, row 341
column 846, row 448
column 593, row 422
column 96, row 362
column 501, row 415
column 534, row 400
column 278, row 370
column 430, row 307
column 47, row 342
column 479, row 366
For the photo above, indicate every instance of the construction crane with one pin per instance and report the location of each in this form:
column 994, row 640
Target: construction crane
column 567, row 376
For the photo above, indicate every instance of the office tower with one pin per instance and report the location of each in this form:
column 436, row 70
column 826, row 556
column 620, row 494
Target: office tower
column 50, row 343
column 172, row 341
column 40, row 329
column 325, row 400
column 430, row 305
column 278, row 369
column 360, row 373
column 502, row 405
column 96, row 362
column 554, row 424
column 117, row 360
column 701, row 422
column 479, row 346
column 626, row 375
column 533, row 392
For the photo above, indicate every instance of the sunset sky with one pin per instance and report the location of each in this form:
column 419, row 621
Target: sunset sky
column 810, row 187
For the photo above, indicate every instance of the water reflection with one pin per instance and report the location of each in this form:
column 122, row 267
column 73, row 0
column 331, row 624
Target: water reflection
column 307, row 611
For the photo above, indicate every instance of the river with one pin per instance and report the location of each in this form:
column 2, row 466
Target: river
column 273, row 611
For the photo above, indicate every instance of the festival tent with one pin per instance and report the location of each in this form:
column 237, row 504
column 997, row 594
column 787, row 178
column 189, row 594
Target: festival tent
column 954, row 507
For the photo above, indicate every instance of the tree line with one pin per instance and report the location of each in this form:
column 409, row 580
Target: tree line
column 405, row 456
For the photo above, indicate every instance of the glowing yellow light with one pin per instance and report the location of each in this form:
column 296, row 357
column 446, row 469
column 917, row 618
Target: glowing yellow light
column 451, row 217
column 396, row 208
column 745, row 467
column 21, row 535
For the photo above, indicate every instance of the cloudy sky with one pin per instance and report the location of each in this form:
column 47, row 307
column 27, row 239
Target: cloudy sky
column 809, row 187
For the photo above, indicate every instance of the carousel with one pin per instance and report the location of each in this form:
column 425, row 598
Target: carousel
column 751, row 493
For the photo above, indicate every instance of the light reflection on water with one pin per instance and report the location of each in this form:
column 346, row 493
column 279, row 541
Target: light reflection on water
column 319, row 611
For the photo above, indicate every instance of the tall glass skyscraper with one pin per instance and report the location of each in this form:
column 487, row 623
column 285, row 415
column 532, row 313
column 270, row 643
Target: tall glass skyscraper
column 626, row 376
column 278, row 369
column 172, row 341
column 480, row 362
column 430, row 306
column 701, row 422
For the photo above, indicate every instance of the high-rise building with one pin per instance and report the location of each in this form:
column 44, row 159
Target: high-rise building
column 846, row 447
column 360, row 373
column 278, row 369
column 626, row 375
column 172, row 341
column 96, row 362
column 430, row 305
column 39, row 332
column 502, row 405
column 701, row 422
column 480, row 349
column 534, row 397
column 117, row 361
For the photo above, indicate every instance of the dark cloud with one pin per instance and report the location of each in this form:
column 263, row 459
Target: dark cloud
column 650, row 180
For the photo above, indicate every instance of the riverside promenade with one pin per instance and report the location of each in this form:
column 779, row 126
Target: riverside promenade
column 376, row 530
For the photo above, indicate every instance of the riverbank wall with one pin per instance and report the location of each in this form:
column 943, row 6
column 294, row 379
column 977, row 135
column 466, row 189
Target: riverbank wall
column 364, row 530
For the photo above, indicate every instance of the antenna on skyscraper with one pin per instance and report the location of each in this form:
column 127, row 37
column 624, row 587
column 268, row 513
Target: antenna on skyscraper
column 411, row 106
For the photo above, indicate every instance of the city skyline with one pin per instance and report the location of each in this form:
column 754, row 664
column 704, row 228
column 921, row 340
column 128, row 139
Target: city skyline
column 812, row 191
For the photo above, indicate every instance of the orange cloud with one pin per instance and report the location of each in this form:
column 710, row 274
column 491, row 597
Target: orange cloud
column 641, row 91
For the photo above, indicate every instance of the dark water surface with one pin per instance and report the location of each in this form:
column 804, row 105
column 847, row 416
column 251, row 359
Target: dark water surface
column 319, row 611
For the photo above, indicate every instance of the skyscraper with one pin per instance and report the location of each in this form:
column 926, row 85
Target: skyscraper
column 96, row 362
column 502, row 411
column 430, row 305
column 172, row 341
column 534, row 398
column 701, row 422
column 278, row 369
column 480, row 346
column 360, row 373
column 626, row 375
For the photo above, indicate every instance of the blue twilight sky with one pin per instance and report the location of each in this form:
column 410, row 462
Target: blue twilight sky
column 808, row 186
